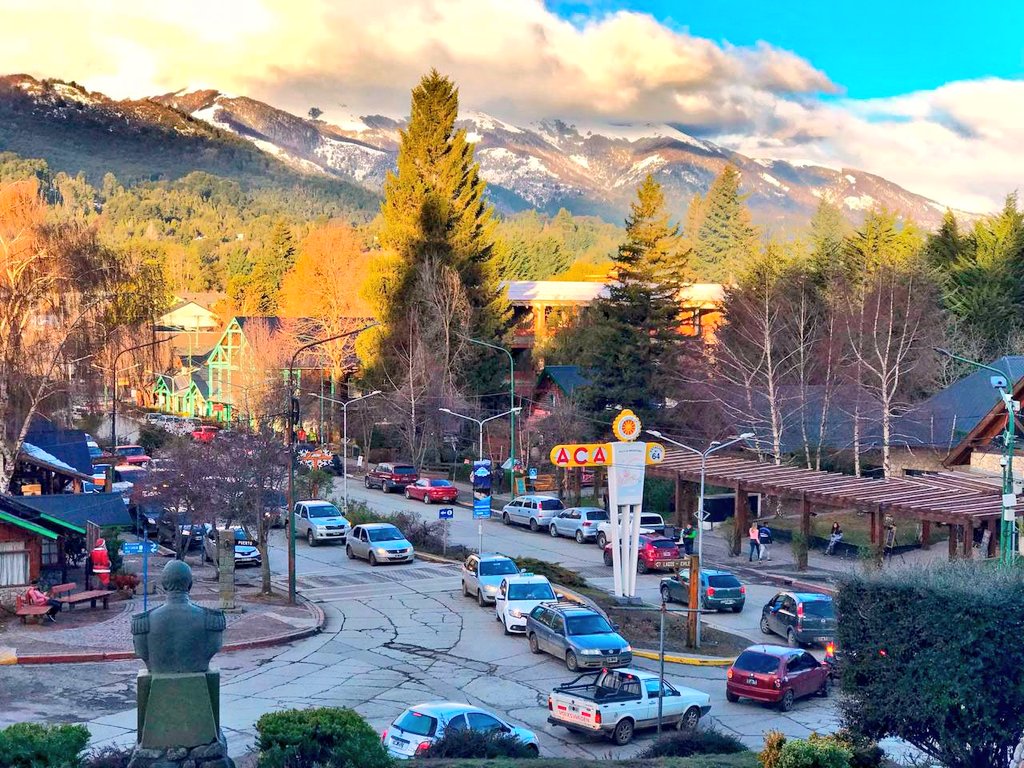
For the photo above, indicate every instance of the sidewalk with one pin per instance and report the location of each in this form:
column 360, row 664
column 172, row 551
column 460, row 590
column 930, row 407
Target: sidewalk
column 85, row 634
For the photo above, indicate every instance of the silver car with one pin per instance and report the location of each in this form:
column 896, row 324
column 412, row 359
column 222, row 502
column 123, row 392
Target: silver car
column 319, row 521
column 578, row 522
column 482, row 575
column 534, row 511
column 379, row 543
column 417, row 728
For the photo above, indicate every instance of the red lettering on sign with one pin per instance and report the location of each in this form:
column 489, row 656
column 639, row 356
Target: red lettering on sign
column 563, row 457
column 599, row 457
column 581, row 454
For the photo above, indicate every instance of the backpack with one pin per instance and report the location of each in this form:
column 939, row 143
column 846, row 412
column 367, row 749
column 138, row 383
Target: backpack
column 764, row 534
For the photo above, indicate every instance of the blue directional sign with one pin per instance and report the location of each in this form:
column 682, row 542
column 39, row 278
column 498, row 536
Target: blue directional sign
column 446, row 513
column 136, row 547
column 532, row 472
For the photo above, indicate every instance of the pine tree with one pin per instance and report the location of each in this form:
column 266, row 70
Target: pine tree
column 726, row 237
column 826, row 233
column 274, row 261
column 945, row 246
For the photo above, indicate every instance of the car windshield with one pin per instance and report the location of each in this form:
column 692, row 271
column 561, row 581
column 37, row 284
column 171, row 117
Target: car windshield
column 497, row 567
column 414, row 722
column 385, row 534
column 440, row 484
column 94, row 450
column 597, row 516
column 752, row 661
column 539, row 591
column 649, row 521
column 723, row 582
column 324, row 510
column 663, row 544
column 132, row 450
column 551, row 504
column 405, row 470
column 587, row 625
column 821, row 609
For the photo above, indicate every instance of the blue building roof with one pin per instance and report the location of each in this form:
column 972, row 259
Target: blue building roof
column 566, row 377
column 67, row 445
column 104, row 509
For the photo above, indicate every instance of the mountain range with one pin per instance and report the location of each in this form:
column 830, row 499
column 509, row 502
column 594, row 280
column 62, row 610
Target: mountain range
column 548, row 165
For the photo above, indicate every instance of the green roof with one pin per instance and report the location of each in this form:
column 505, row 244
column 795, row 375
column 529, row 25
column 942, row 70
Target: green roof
column 63, row 523
column 18, row 522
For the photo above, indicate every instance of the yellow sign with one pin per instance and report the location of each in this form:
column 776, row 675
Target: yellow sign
column 581, row 455
column 655, row 453
column 627, row 426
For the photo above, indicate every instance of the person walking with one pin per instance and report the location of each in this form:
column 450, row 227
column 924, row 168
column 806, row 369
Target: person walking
column 754, row 535
column 35, row 596
column 764, row 540
column 689, row 537
column 834, row 538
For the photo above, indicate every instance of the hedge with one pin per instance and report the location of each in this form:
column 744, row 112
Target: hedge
column 32, row 745
column 306, row 738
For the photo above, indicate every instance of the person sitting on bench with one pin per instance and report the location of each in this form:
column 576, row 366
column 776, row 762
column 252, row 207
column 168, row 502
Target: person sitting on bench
column 35, row 596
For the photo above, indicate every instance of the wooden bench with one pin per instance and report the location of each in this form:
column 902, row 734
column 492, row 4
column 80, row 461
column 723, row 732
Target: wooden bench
column 91, row 596
column 62, row 590
column 24, row 610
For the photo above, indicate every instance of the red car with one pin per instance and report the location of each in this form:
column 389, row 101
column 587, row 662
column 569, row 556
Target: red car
column 656, row 552
column 429, row 491
column 205, row 434
column 776, row 674
column 132, row 454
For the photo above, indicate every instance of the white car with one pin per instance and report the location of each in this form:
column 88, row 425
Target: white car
column 246, row 552
column 417, row 728
column 517, row 596
column 318, row 521
column 534, row 511
column 650, row 522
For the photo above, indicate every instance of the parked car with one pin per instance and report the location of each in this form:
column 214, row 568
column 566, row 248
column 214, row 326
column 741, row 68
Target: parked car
column 578, row 522
column 205, row 434
column 615, row 702
column 777, row 675
column 154, row 419
column 246, row 552
column 94, row 449
column 534, row 511
column 517, row 595
column 134, row 455
column 800, row 617
column 579, row 635
column 413, row 731
column 482, row 575
column 430, row 490
column 650, row 522
column 379, row 543
column 275, row 509
column 655, row 553
column 168, row 529
column 391, row 477
column 718, row 590
column 319, row 521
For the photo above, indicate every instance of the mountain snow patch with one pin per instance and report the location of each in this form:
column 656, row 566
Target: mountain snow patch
column 851, row 179
column 580, row 160
column 862, row 203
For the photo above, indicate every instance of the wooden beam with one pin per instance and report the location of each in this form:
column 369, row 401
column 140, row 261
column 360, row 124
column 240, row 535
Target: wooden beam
column 969, row 540
column 926, row 534
column 952, row 540
column 805, row 531
column 875, row 515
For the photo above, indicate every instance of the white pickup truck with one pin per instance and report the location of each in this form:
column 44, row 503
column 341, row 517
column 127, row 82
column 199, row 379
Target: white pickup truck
column 615, row 702
column 650, row 522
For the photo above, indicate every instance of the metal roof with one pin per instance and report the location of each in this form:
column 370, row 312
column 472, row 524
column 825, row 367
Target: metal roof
column 78, row 508
column 27, row 526
column 568, row 292
column 566, row 377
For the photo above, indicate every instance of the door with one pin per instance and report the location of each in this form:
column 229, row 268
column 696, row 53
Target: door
column 480, row 721
column 772, row 614
column 797, row 673
column 513, row 510
column 570, row 522
column 557, row 644
column 683, row 583
column 809, row 677
column 652, row 690
column 469, row 574
column 786, row 615
column 499, row 599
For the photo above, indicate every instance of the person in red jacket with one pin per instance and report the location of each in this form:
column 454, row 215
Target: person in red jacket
column 101, row 562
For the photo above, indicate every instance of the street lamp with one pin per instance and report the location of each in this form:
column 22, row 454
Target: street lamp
column 480, row 422
column 291, row 449
column 113, row 392
column 714, row 447
column 511, row 401
column 1008, row 525
column 344, row 440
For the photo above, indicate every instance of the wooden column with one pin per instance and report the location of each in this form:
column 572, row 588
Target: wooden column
column 680, row 520
column 805, row 531
column 741, row 516
column 926, row 534
column 994, row 539
column 969, row 540
column 952, row 541
column 875, row 515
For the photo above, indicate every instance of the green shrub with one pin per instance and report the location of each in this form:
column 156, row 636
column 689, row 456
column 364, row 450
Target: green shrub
column 478, row 744
column 702, row 742
column 556, row 573
column 797, row 753
column 304, row 738
column 32, row 745
column 864, row 753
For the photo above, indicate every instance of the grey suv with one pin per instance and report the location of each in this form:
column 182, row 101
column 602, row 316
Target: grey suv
column 800, row 617
column 579, row 635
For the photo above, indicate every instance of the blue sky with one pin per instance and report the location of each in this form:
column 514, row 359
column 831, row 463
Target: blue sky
column 871, row 48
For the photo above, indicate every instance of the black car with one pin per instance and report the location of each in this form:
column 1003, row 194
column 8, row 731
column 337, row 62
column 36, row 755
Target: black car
column 800, row 617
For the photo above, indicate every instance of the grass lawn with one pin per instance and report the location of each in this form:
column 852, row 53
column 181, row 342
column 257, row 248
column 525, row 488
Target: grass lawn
column 741, row 760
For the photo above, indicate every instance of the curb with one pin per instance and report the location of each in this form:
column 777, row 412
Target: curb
column 263, row 642
column 693, row 661
column 810, row 586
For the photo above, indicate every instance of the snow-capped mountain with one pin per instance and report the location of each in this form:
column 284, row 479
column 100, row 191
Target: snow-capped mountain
column 585, row 168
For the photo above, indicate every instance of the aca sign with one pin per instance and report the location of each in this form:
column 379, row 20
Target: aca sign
column 581, row 455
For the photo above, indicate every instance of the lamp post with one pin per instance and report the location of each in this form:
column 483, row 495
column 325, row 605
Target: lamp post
column 1008, row 524
column 344, row 440
column 511, row 401
column 480, row 422
column 113, row 392
column 291, row 449
column 714, row 447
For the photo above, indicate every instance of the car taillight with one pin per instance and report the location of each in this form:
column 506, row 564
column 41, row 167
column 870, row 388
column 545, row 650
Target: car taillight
column 776, row 682
column 830, row 649
column 384, row 736
column 423, row 747
column 743, row 590
column 587, row 523
column 800, row 610
column 711, row 591
column 729, row 674
column 550, row 705
column 597, row 717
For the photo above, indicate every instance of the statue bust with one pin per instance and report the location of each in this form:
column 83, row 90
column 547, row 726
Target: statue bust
column 178, row 636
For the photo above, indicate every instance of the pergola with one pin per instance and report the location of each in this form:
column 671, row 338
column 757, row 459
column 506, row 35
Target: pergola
column 943, row 497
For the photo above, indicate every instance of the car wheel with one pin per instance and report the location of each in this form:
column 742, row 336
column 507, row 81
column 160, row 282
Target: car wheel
column 408, row 495
column 732, row 698
column 366, row 482
column 480, row 598
column 533, row 749
column 689, row 720
column 607, row 557
column 504, row 625
column 384, row 487
column 349, row 552
column 786, row 703
column 737, row 608
column 826, row 687
column 506, row 519
column 579, row 537
column 764, row 625
column 602, row 540
column 666, row 594
column 623, row 733
column 791, row 638
column 571, row 662
column 533, row 525
column 641, row 566
column 311, row 538
column 426, row 499
column 372, row 559
column 553, row 531
column 534, row 645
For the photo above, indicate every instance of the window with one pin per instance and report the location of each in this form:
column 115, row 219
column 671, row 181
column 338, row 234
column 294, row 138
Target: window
column 540, row 590
column 13, row 564
column 574, row 515
column 388, row 533
column 478, row 721
column 588, row 624
column 497, row 568
column 51, row 553
column 652, row 689
column 760, row 663
column 414, row 722
column 801, row 663
column 550, row 504
column 558, row 624
column 457, row 723
column 537, row 614
column 789, row 604
column 819, row 609
column 597, row 515
column 723, row 582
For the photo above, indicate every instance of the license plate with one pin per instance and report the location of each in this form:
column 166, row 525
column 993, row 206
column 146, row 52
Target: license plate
column 728, row 602
column 399, row 742
column 821, row 639
column 752, row 681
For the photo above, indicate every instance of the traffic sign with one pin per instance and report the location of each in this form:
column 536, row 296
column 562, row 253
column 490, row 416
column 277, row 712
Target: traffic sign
column 446, row 513
column 136, row 547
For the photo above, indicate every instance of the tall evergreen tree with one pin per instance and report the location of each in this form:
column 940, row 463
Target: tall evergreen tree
column 946, row 246
column 826, row 235
column 726, row 237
